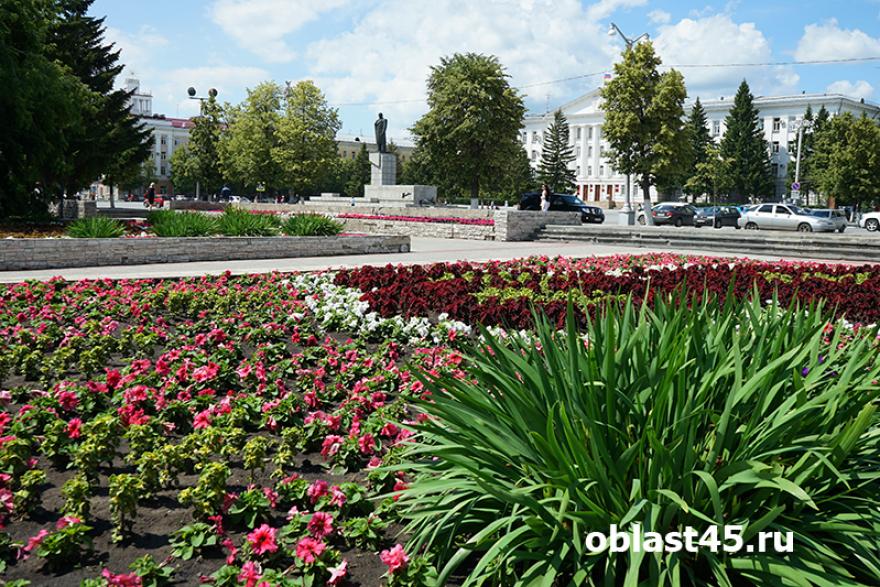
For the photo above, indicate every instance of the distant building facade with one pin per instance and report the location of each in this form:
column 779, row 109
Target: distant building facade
column 597, row 180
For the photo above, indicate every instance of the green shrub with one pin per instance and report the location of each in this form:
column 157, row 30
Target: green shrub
column 96, row 227
column 170, row 223
column 311, row 225
column 238, row 222
column 667, row 418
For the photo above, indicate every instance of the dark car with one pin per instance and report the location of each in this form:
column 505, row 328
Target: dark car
column 669, row 213
column 717, row 216
column 564, row 203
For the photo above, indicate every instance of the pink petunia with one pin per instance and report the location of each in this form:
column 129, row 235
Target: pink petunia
column 262, row 540
column 317, row 490
column 202, row 420
column 308, row 549
column 74, row 428
column 338, row 573
column 394, row 558
column 320, row 525
column 250, row 574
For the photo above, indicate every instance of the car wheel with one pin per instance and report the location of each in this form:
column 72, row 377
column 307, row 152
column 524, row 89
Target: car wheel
column 842, row 228
column 804, row 227
column 717, row 224
column 873, row 225
column 642, row 220
column 751, row 226
column 678, row 222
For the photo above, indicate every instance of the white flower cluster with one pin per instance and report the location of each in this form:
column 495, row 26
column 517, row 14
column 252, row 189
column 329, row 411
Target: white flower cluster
column 336, row 307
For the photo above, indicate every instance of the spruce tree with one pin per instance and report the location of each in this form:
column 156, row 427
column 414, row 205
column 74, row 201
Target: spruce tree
column 554, row 169
column 745, row 150
column 114, row 143
column 701, row 141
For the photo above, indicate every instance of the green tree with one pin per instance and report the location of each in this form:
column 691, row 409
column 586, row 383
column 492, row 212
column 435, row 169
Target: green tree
column 744, row 147
column 644, row 120
column 39, row 110
column 141, row 176
column 474, row 118
column 516, row 176
column 359, row 173
column 246, row 147
column 306, row 137
column 556, row 157
column 199, row 160
column 113, row 142
column 701, row 146
column 709, row 176
column 847, row 160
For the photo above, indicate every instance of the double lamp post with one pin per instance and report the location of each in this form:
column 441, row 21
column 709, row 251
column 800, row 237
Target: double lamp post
column 212, row 93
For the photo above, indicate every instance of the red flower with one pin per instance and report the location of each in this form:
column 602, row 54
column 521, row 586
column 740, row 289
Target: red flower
column 202, row 420
column 367, row 444
column 67, row 521
column 331, row 446
column 309, row 549
column 121, row 580
column 262, row 540
column 317, row 490
column 74, row 430
column 250, row 573
column 320, row 525
column 394, row 558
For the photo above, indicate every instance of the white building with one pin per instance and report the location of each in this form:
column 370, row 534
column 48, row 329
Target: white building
column 599, row 182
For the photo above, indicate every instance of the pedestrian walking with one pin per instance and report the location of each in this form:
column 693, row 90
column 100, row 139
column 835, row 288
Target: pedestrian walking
column 151, row 196
column 545, row 198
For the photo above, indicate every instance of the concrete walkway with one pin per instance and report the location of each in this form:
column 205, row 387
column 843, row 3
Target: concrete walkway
column 424, row 250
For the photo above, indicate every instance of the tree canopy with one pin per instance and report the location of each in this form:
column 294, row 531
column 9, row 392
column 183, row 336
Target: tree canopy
column 555, row 168
column 847, row 160
column 744, row 147
column 473, row 121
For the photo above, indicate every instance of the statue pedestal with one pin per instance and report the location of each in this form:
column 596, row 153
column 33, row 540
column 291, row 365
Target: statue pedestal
column 401, row 195
column 383, row 169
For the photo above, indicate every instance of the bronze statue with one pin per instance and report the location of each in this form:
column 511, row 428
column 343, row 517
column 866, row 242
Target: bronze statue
column 381, row 126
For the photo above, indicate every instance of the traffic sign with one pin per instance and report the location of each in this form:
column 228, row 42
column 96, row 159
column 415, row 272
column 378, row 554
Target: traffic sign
column 261, row 187
column 795, row 187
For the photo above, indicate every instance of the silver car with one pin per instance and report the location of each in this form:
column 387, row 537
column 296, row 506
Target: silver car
column 784, row 217
column 838, row 217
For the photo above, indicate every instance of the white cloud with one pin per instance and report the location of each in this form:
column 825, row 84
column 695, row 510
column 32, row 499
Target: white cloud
column 829, row 41
column 387, row 56
column 718, row 39
column 138, row 49
column 261, row 26
column 859, row 89
column 659, row 16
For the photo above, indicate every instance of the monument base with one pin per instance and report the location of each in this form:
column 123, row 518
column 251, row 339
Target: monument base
column 401, row 195
column 383, row 169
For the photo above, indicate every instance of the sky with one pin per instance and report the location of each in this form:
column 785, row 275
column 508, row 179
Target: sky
column 369, row 56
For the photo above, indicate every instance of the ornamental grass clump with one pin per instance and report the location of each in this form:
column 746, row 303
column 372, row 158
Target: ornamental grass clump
column 238, row 222
column 668, row 417
column 96, row 227
column 311, row 225
column 170, row 223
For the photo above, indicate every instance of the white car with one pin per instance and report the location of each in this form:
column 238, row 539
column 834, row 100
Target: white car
column 784, row 217
column 870, row 221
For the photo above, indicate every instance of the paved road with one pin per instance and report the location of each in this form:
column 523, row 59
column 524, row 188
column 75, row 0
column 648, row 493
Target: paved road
column 424, row 250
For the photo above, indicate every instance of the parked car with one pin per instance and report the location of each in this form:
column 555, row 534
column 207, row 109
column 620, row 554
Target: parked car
column 564, row 203
column 870, row 221
column 717, row 216
column 838, row 217
column 785, row 217
column 670, row 213
column 239, row 199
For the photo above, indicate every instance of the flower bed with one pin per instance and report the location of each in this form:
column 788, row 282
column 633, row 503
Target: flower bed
column 506, row 292
column 428, row 219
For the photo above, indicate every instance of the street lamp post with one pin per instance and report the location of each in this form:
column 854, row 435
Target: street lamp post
column 802, row 125
column 627, row 215
column 212, row 93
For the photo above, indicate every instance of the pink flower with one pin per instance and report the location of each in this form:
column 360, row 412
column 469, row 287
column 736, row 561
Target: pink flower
column 121, row 580
column 338, row 573
column 308, row 549
column 206, row 373
column 67, row 521
column 262, row 540
column 331, row 446
column 68, row 400
column 320, row 525
column 317, row 490
column 250, row 573
column 389, row 429
column 35, row 541
column 394, row 558
column 337, row 496
column 74, row 428
column 202, row 420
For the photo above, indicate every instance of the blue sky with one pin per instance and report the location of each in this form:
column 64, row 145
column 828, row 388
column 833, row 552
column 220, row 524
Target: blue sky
column 374, row 55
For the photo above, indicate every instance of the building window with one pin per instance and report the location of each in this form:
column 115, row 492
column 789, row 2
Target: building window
column 775, row 146
column 162, row 170
column 164, row 140
column 578, row 171
column 534, row 155
column 590, row 151
column 716, row 128
column 525, row 138
column 775, row 170
column 590, row 133
column 577, row 152
column 578, row 133
column 534, row 137
column 590, row 171
column 162, row 156
column 777, row 124
column 176, row 142
column 601, row 171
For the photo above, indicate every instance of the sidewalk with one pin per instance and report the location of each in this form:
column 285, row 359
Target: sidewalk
column 424, row 250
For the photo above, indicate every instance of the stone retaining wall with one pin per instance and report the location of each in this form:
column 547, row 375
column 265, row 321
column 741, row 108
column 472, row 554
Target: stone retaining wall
column 523, row 225
column 424, row 229
column 35, row 253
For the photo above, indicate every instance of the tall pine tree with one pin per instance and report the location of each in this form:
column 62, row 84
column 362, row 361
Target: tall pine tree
column 555, row 167
column 113, row 142
column 701, row 141
column 745, row 150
